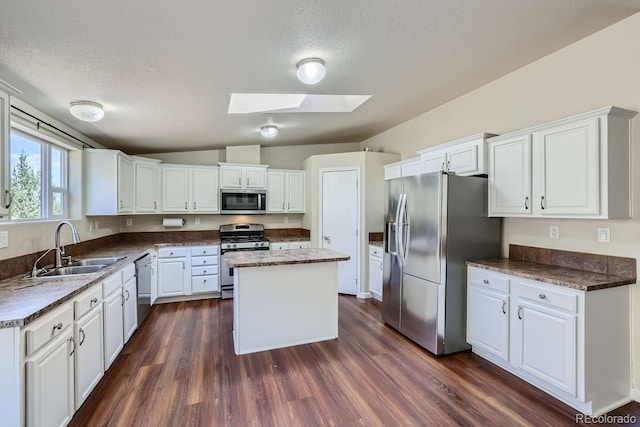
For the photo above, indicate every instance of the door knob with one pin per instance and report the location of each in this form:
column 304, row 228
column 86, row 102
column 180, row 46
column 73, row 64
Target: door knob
column 327, row 239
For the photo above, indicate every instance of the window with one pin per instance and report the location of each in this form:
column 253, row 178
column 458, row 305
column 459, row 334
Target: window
column 38, row 176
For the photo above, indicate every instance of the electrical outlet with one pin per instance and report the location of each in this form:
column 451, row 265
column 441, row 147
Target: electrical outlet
column 197, row 221
column 554, row 232
column 4, row 239
column 95, row 226
column 286, row 220
column 90, row 226
column 604, row 235
column 129, row 222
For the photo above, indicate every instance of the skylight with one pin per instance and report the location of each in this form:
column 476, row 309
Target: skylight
column 245, row 103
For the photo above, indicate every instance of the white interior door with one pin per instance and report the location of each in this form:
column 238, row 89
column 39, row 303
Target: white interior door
column 340, row 223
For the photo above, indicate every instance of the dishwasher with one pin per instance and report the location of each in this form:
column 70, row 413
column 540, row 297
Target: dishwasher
column 144, row 271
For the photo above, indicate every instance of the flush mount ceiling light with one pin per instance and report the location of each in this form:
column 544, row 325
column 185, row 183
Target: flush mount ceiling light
column 311, row 70
column 86, row 111
column 269, row 131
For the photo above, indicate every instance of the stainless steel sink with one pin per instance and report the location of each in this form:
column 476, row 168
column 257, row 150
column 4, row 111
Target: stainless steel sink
column 74, row 269
column 96, row 261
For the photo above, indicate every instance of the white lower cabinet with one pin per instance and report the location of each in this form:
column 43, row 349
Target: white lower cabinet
column 276, row 246
column 375, row 271
column 205, row 269
column 574, row 345
column 185, row 271
column 130, row 308
column 113, row 318
column 173, row 275
column 49, row 369
column 89, row 353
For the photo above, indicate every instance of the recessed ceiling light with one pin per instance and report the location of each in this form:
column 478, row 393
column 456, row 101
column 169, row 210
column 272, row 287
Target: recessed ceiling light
column 311, row 70
column 269, row 131
column 86, row 111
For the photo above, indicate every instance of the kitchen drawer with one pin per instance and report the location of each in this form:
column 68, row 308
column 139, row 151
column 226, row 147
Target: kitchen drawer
column 128, row 272
column 376, row 251
column 545, row 295
column 204, row 260
column 172, row 252
column 299, row 245
column 202, row 284
column 204, row 250
column 47, row 328
column 111, row 283
column 87, row 300
column 204, row 270
column 489, row 280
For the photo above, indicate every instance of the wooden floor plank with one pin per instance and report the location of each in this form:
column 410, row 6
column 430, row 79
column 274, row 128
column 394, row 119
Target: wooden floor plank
column 180, row 369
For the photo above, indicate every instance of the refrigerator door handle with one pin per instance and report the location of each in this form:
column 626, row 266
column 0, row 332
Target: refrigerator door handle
column 405, row 225
column 400, row 248
column 390, row 225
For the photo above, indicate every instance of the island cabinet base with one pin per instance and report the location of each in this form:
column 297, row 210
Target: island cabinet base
column 284, row 305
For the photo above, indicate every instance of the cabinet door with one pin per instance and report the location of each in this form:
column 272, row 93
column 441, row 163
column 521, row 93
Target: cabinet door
column 464, row 161
column 146, row 180
column 5, row 196
column 488, row 321
column 275, row 192
column 89, row 354
column 295, row 191
column 113, row 327
column 49, row 385
column 255, row 178
column 171, row 277
column 375, row 277
column 547, row 345
column 205, row 189
column 231, row 177
column 125, row 185
column 510, row 177
column 569, row 169
column 411, row 167
column 130, row 312
column 202, row 284
column 432, row 162
column 175, row 189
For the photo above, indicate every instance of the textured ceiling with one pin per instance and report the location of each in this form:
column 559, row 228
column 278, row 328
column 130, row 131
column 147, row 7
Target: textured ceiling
column 164, row 70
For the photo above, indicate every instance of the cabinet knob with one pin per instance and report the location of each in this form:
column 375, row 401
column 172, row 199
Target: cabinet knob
column 542, row 296
column 485, row 281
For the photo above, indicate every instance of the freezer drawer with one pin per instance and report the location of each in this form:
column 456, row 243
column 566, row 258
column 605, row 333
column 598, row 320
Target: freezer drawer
column 419, row 313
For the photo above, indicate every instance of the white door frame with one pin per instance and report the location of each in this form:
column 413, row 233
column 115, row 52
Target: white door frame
column 356, row 169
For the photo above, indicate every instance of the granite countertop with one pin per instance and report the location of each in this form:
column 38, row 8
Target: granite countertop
column 288, row 239
column 24, row 299
column 284, row 257
column 560, row 276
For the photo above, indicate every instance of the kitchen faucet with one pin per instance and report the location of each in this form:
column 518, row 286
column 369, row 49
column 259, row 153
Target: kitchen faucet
column 60, row 249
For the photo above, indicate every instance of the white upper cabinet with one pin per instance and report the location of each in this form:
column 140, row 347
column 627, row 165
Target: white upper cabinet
column 190, row 189
column 573, row 168
column 109, row 182
column 243, row 176
column 464, row 156
column 285, row 191
column 510, row 176
column 147, row 185
column 5, row 195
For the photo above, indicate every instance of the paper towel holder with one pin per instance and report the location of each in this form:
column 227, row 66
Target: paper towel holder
column 173, row 222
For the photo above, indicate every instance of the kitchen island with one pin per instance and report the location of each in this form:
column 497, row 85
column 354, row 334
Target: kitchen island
column 284, row 298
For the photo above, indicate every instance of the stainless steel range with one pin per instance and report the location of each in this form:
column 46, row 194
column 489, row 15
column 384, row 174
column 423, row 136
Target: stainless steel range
column 238, row 237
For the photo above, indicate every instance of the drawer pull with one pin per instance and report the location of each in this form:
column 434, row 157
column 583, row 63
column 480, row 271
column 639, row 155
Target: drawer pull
column 93, row 301
column 58, row 326
column 520, row 312
column 83, row 336
column 542, row 296
column 504, row 307
column 74, row 346
column 485, row 281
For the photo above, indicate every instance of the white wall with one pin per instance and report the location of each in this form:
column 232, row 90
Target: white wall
column 600, row 70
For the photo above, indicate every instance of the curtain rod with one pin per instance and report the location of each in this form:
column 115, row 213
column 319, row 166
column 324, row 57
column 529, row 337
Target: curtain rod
column 84, row 144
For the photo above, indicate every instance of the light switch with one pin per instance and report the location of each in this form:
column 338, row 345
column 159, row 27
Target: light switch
column 197, row 221
column 554, row 232
column 4, row 239
column 604, row 235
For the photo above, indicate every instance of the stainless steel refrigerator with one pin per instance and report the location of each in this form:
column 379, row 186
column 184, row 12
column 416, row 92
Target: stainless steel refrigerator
column 434, row 223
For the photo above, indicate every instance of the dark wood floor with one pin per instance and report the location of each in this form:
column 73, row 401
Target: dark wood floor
column 180, row 369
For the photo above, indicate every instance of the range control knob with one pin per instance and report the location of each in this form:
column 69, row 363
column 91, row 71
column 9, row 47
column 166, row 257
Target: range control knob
column 257, row 244
column 233, row 245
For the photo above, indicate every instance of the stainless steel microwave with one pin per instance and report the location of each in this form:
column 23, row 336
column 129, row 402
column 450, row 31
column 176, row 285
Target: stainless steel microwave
column 243, row 202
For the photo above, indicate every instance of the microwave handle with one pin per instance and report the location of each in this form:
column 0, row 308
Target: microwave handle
column 260, row 196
